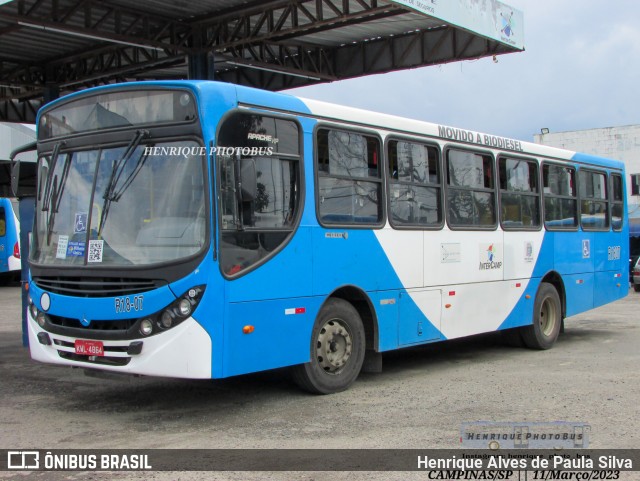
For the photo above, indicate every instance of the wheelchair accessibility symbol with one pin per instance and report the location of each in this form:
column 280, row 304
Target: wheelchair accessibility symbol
column 80, row 224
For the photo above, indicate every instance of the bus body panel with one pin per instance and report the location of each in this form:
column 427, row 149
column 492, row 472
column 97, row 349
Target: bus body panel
column 608, row 287
column 579, row 292
column 522, row 254
column 419, row 316
column 287, row 274
column 522, row 312
column 280, row 336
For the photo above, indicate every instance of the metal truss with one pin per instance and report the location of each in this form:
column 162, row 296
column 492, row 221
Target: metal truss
column 273, row 44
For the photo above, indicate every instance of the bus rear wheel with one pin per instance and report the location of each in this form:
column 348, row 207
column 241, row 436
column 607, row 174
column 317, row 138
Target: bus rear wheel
column 547, row 319
column 337, row 350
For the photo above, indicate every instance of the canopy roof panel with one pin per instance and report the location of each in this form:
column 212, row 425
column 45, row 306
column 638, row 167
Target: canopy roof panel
column 53, row 47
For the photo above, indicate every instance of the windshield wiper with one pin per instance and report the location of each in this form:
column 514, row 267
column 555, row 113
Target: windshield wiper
column 56, row 196
column 48, row 191
column 113, row 193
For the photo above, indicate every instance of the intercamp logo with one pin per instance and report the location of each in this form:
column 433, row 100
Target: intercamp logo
column 23, row 460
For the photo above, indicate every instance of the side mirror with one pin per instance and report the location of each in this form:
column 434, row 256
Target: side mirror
column 23, row 174
column 15, row 178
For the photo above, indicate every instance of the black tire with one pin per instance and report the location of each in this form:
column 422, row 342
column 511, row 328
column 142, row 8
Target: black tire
column 337, row 350
column 547, row 319
column 636, row 287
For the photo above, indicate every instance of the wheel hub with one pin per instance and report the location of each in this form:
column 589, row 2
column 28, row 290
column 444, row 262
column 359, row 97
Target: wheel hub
column 334, row 346
column 547, row 317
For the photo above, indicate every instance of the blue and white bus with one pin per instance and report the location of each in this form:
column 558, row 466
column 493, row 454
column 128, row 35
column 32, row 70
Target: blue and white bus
column 203, row 230
column 9, row 239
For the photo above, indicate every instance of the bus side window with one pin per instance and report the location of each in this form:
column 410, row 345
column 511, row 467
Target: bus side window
column 415, row 190
column 471, row 191
column 519, row 193
column 349, row 178
column 617, row 202
column 3, row 223
column 594, row 204
column 560, row 197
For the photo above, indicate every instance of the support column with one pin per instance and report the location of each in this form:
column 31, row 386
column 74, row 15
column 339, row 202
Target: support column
column 201, row 66
column 201, row 61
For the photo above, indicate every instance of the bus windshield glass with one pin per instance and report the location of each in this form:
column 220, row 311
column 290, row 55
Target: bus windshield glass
column 121, row 206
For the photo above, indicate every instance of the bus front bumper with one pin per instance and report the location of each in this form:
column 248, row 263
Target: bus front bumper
column 181, row 352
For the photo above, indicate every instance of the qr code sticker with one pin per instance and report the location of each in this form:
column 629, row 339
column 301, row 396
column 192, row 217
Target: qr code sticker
column 95, row 250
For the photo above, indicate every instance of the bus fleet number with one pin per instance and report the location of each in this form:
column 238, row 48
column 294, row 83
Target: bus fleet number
column 126, row 304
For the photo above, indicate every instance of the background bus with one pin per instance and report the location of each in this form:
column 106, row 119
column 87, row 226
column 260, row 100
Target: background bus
column 9, row 240
column 205, row 230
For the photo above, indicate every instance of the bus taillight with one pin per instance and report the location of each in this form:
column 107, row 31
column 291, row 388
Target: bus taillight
column 16, row 250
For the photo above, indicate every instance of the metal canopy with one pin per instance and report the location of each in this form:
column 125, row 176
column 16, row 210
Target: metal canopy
column 52, row 47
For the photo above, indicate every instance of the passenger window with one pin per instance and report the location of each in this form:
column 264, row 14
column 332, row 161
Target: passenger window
column 560, row 200
column 594, row 203
column 519, row 194
column 470, row 190
column 617, row 201
column 349, row 178
column 415, row 191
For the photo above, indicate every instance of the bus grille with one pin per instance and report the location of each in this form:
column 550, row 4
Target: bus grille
column 119, row 325
column 96, row 286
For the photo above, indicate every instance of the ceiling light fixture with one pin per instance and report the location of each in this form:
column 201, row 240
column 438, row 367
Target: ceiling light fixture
column 87, row 35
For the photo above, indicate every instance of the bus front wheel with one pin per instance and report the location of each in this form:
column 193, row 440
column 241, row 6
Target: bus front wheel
column 337, row 350
column 547, row 319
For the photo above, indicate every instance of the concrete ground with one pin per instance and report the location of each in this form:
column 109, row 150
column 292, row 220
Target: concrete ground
column 419, row 400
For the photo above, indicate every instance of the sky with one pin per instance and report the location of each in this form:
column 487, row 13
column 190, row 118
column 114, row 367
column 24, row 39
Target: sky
column 580, row 70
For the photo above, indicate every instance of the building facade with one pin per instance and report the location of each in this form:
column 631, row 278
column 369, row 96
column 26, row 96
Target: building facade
column 13, row 136
column 621, row 143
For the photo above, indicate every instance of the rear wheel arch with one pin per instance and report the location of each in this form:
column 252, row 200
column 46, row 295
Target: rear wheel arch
column 547, row 317
column 556, row 281
column 362, row 303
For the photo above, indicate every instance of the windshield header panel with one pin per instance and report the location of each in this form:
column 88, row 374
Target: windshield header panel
column 117, row 109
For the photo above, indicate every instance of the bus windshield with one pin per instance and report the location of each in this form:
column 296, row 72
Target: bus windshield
column 120, row 206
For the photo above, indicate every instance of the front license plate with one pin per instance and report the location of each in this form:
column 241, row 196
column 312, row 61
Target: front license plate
column 89, row 348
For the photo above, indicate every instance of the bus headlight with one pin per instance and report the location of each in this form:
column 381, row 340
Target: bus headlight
column 184, row 307
column 166, row 320
column 41, row 319
column 173, row 314
column 33, row 310
column 146, row 327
